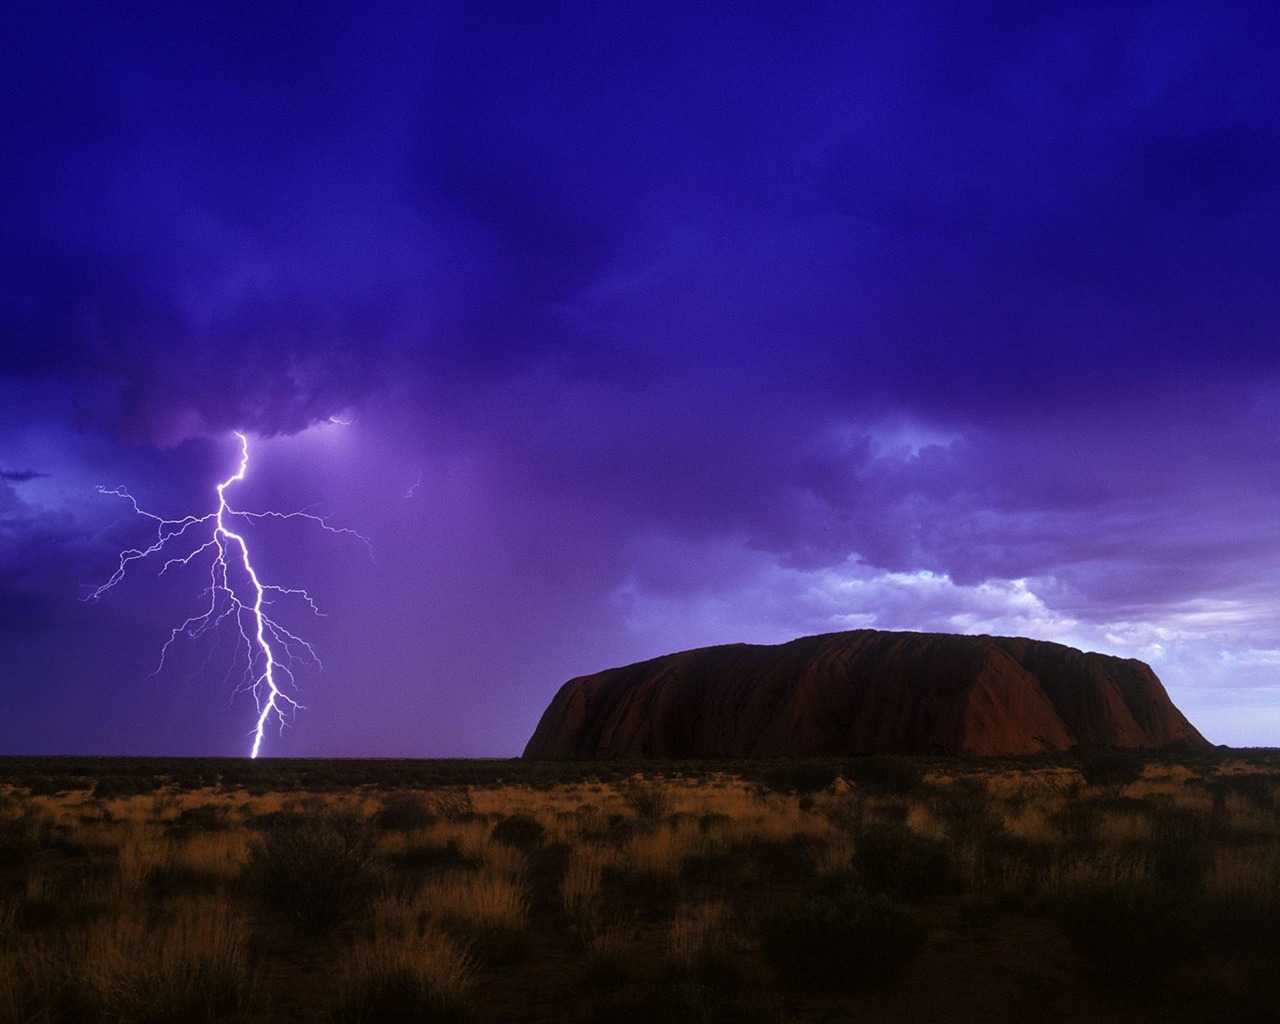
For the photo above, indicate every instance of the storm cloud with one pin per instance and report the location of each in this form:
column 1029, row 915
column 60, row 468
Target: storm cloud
column 682, row 326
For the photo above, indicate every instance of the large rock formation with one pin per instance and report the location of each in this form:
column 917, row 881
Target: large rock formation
column 862, row 692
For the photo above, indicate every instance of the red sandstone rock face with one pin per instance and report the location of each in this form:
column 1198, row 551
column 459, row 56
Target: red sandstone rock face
column 862, row 692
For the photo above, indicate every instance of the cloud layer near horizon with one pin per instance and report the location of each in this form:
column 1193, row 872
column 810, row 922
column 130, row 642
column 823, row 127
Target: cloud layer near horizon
column 653, row 329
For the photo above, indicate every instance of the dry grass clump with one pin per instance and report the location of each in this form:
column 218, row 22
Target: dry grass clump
column 406, row 975
column 700, row 939
column 484, row 912
column 580, row 887
column 193, row 966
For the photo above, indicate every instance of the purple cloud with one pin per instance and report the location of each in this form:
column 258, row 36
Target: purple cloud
column 690, row 326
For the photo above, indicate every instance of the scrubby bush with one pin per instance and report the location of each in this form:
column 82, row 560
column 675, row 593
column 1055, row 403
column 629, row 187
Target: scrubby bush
column 395, row 996
column 202, row 818
column 626, row 893
column 42, row 785
column 1258, row 788
column 315, row 871
column 1111, row 769
column 1135, row 935
column 649, row 800
column 801, row 777
column 780, row 860
column 193, row 971
column 111, row 786
column 20, row 840
column 687, row 1001
column 403, row 812
column 852, row 941
column 699, row 943
column 434, row 856
column 902, row 864
column 519, row 831
column 453, row 805
column 884, row 773
column 1078, row 824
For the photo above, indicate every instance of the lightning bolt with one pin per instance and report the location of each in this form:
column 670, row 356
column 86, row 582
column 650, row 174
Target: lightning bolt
column 236, row 593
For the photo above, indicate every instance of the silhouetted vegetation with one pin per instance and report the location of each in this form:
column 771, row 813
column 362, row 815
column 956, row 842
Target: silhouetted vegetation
column 884, row 773
column 846, row 942
column 1111, row 768
column 802, row 777
column 519, row 831
column 313, row 870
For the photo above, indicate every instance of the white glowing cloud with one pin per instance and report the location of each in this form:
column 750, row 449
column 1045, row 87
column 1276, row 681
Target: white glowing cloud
column 1220, row 659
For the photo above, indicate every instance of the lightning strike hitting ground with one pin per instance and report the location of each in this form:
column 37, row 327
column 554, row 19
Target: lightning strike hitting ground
column 236, row 593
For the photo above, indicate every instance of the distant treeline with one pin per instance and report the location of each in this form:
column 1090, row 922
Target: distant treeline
column 120, row 776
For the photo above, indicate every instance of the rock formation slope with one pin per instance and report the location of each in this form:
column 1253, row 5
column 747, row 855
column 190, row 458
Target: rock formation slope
column 862, row 692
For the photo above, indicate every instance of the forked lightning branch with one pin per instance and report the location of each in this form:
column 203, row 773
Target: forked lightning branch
column 238, row 599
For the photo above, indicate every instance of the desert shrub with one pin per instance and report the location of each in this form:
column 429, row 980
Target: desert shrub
column 1256, row 787
column 396, row 995
column 1111, row 802
column 1111, row 769
column 403, row 812
column 43, row 912
column 892, row 813
column 801, row 777
column 193, row 971
column 42, row 785
column 1140, row 936
column 1136, row 935
column 649, row 800
column 315, row 871
column 627, row 893
column 201, row 818
column 484, row 913
column 884, row 773
column 618, row 828
column 433, row 857
column 699, row 943
column 848, row 813
column 965, row 810
column 781, row 860
column 214, row 984
column 271, row 821
column 191, row 777
column 38, row 984
column 714, row 867
column 111, row 786
column 962, row 799
column 1013, row 866
column 849, row 942
column 519, row 831
column 902, row 864
column 1183, row 824
column 1177, row 866
column 489, row 943
column 20, row 841
column 1078, row 824
column 545, row 870
column 453, row 805
column 398, row 979
column 686, row 1002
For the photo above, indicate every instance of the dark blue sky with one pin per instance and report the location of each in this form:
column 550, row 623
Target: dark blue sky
column 652, row 328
